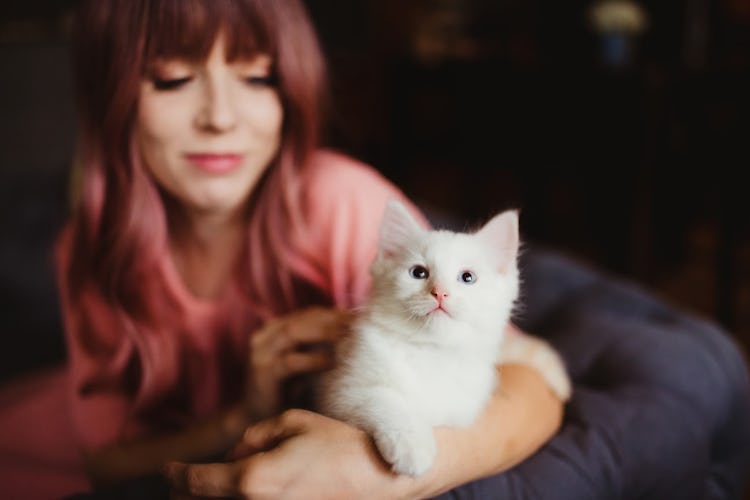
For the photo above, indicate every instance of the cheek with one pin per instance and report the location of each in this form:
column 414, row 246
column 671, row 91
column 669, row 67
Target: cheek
column 414, row 291
column 160, row 129
column 155, row 156
column 265, row 115
column 468, row 300
column 399, row 285
column 162, row 118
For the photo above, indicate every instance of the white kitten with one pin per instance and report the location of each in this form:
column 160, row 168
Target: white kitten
column 424, row 350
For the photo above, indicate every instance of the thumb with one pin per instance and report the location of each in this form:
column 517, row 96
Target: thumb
column 269, row 433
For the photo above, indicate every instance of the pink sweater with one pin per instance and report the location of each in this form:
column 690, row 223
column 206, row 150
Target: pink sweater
column 344, row 202
column 41, row 427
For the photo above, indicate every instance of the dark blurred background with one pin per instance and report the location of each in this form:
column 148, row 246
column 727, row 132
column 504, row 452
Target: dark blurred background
column 618, row 127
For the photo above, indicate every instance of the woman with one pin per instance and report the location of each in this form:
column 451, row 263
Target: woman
column 212, row 244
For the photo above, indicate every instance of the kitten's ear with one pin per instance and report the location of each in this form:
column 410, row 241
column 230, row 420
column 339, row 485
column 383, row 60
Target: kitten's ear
column 397, row 229
column 501, row 235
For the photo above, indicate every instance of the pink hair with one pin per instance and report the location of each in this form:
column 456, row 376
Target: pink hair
column 118, row 233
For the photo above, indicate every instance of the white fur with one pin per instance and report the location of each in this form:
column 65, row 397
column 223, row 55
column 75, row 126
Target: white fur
column 406, row 369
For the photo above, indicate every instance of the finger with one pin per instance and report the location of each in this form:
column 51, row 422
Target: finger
column 317, row 326
column 262, row 437
column 300, row 329
column 268, row 433
column 270, row 337
column 328, row 330
column 305, row 362
column 202, row 480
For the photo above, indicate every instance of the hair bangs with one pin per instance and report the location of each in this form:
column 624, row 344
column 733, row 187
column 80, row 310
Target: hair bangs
column 188, row 29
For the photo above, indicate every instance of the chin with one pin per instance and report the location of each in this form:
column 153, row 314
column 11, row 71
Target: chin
column 438, row 318
column 219, row 203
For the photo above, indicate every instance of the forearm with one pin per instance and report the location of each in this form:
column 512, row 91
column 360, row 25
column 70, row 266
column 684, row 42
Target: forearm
column 123, row 461
column 519, row 418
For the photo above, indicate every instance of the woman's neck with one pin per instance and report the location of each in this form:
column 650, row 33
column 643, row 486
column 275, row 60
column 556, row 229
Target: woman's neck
column 205, row 249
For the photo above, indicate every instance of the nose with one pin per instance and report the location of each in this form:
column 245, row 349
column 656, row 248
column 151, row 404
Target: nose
column 439, row 293
column 217, row 113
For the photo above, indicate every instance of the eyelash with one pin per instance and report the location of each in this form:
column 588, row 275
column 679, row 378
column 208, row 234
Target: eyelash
column 175, row 83
column 170, row 84
column 261, row 81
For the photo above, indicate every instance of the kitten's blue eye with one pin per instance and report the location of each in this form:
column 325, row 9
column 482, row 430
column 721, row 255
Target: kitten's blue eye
column 419, row 272
column 467, row 277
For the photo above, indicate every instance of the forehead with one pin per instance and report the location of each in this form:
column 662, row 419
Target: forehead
column 453, row 249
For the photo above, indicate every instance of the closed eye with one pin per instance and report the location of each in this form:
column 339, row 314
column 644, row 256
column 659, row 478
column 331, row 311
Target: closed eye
column 261, row 81
column 163, row 84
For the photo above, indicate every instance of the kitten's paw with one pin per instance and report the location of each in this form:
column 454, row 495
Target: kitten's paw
column 554, row 372
column 539, row 354
column 409, row 452
column 560, row 383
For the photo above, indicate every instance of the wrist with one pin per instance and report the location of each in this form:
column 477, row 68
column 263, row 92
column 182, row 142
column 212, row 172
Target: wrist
column 408, row 487
column 447, row 471
column 389, row 483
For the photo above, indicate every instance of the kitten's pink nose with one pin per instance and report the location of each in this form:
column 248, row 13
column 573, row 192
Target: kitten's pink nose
column 439, row 293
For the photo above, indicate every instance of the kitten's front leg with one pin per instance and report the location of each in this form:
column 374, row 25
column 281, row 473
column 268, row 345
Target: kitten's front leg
column 537, row 353
column 403, row 437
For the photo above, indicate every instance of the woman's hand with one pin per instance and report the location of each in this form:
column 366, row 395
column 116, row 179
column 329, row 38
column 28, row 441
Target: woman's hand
column 305, row 455
column 298, row 454
column 301, row 342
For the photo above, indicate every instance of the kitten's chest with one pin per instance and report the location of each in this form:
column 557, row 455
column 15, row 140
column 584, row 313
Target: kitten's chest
column 448, row 388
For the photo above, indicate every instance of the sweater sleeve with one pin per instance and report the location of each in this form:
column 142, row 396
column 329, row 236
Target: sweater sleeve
column 345, row 202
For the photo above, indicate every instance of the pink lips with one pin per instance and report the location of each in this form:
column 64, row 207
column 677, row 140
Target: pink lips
column 215, row 163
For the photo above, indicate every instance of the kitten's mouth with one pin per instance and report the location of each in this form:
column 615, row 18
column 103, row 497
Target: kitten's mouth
column 438, row 310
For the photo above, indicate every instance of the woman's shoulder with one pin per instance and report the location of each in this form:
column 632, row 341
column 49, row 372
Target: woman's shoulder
column 334, row 180
column 339, row 187
column 332, row 171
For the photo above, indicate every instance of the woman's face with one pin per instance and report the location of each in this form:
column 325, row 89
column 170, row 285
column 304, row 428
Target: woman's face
column 207, row 131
